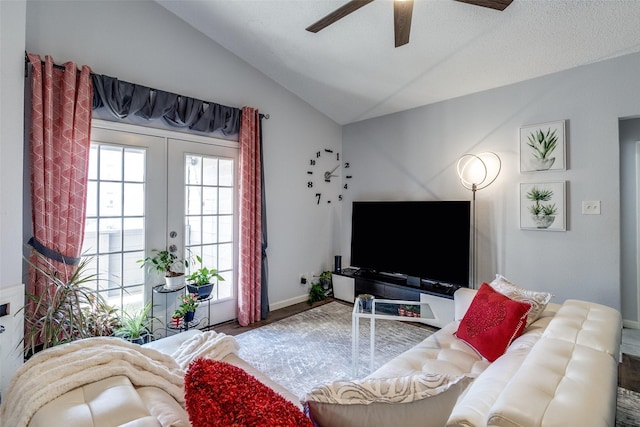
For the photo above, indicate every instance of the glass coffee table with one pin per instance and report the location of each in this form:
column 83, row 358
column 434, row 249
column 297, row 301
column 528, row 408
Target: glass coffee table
column 385, row 309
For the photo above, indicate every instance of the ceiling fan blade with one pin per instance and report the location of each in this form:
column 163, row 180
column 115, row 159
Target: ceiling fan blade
column 337, row 14
column 493, row 4
column 402, row 11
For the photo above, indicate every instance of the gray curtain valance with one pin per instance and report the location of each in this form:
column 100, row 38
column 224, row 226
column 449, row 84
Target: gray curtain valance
column 123, row 99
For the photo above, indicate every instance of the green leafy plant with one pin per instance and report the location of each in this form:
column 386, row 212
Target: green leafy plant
column 537, row 196
column 325, row 279
column 164, row 262
column 134, row 323
column 543, row 143
column 203, row 275
column 188, row 302
column 316, row 293
column 65, row 310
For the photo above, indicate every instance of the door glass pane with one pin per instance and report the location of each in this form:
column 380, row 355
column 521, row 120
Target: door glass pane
column 115, row 231
column 210, row 216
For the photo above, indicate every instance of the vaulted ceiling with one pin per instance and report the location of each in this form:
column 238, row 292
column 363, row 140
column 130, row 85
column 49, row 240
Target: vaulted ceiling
column 352, row 71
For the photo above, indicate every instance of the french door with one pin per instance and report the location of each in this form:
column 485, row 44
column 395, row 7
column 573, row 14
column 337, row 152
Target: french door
column 151, row 189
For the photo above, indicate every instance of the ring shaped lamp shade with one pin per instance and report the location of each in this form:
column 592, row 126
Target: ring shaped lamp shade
column 478, row 171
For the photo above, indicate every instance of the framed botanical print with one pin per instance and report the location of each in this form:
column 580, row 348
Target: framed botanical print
column 543, row 206
column 543, row 147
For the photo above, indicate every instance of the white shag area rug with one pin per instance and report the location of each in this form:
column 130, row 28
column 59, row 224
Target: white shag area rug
column 314, row 347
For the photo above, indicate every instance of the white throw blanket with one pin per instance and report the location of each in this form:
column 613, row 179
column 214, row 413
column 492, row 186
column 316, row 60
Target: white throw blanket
column 58, row 370
column 210, row 344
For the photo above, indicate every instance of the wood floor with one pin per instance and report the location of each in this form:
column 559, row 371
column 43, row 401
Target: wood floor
column 233, row 328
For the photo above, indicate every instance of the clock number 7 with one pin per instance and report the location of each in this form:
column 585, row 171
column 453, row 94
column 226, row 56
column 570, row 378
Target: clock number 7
column 318, row 196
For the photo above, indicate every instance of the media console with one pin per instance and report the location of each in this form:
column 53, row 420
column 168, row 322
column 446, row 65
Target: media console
column 350, row 283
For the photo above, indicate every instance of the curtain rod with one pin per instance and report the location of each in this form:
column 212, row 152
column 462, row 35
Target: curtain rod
column 61, row 67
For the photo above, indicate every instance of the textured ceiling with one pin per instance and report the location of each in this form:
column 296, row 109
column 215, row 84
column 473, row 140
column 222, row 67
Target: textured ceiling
column 351, row 71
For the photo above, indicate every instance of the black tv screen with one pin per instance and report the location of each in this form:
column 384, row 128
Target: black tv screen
column 425, row 239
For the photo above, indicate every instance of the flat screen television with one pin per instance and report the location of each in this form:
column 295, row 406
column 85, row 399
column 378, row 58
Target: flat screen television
column 418, row 239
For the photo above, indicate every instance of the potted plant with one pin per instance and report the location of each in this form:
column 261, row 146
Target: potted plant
column 543, row 145
column 176, row 319
column 135, row 325
column 188, row 304
column 65, row 310
column 316, row 293
column 168, row 264
column 325, row 280
column 199, row 281
column 543, row 214
column 413, row 311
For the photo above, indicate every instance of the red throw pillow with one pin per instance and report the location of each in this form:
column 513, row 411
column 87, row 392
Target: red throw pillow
column 492, row 322
column 220, row 394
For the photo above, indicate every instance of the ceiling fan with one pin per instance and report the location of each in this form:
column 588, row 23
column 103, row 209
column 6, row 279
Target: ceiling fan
column 402, row 10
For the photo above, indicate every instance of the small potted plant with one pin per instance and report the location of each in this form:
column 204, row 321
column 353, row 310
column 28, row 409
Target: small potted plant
column 188, row 305
column 168, row 264
column 325, row 280
column 543, row 144
column 542, row 214
column 413, row 311
column 135, row 325
column 199, row 281
column 176, row 318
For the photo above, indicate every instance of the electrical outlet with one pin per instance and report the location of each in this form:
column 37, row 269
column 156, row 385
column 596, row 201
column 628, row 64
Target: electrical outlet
column 303, row 279
column 591, row 207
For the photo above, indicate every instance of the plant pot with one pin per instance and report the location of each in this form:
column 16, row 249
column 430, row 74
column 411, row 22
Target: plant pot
column 544, row 221
column 203, row 291
column 542, row 164
column 176, row 322
column 142, row 339
column 174, row 282
column 189, row 316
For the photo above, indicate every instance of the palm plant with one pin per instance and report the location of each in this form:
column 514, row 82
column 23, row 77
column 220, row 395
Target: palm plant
column 543, row 143
column 66, row 310
column 538, row 195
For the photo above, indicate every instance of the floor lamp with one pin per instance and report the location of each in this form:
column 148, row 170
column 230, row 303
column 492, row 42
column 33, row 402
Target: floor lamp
column 477, row 171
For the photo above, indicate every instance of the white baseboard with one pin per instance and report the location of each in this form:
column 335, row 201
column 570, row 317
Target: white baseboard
column 631, row 324
column 288, row 302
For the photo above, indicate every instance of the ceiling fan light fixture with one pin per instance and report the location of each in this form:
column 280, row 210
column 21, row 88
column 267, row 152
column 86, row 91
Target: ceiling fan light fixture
column 402, row 12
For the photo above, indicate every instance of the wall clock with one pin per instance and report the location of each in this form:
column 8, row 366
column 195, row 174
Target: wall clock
column 323, row 176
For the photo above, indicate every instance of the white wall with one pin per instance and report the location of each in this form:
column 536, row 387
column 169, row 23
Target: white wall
column 143, row 43
column 412, row 155
column 12, row 24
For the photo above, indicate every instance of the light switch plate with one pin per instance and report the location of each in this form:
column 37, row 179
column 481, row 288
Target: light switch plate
column 591, row 207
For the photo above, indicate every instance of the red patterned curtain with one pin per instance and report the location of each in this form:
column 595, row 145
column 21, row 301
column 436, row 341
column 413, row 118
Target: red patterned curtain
column 250, row 274
column 59, row 140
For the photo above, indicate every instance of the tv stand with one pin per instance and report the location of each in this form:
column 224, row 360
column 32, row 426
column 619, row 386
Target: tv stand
column 349, row 284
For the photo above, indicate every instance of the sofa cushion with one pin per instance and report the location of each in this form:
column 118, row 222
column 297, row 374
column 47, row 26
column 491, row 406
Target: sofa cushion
column 582, row 323
column 422, row 399
column 538, row 300
column 492, row 322
column 111, row 401
column 563, row 384
column 220, row 394
column 440, row 353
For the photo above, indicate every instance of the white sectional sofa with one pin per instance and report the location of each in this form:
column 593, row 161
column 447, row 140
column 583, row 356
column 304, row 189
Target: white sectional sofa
column 562, row 371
